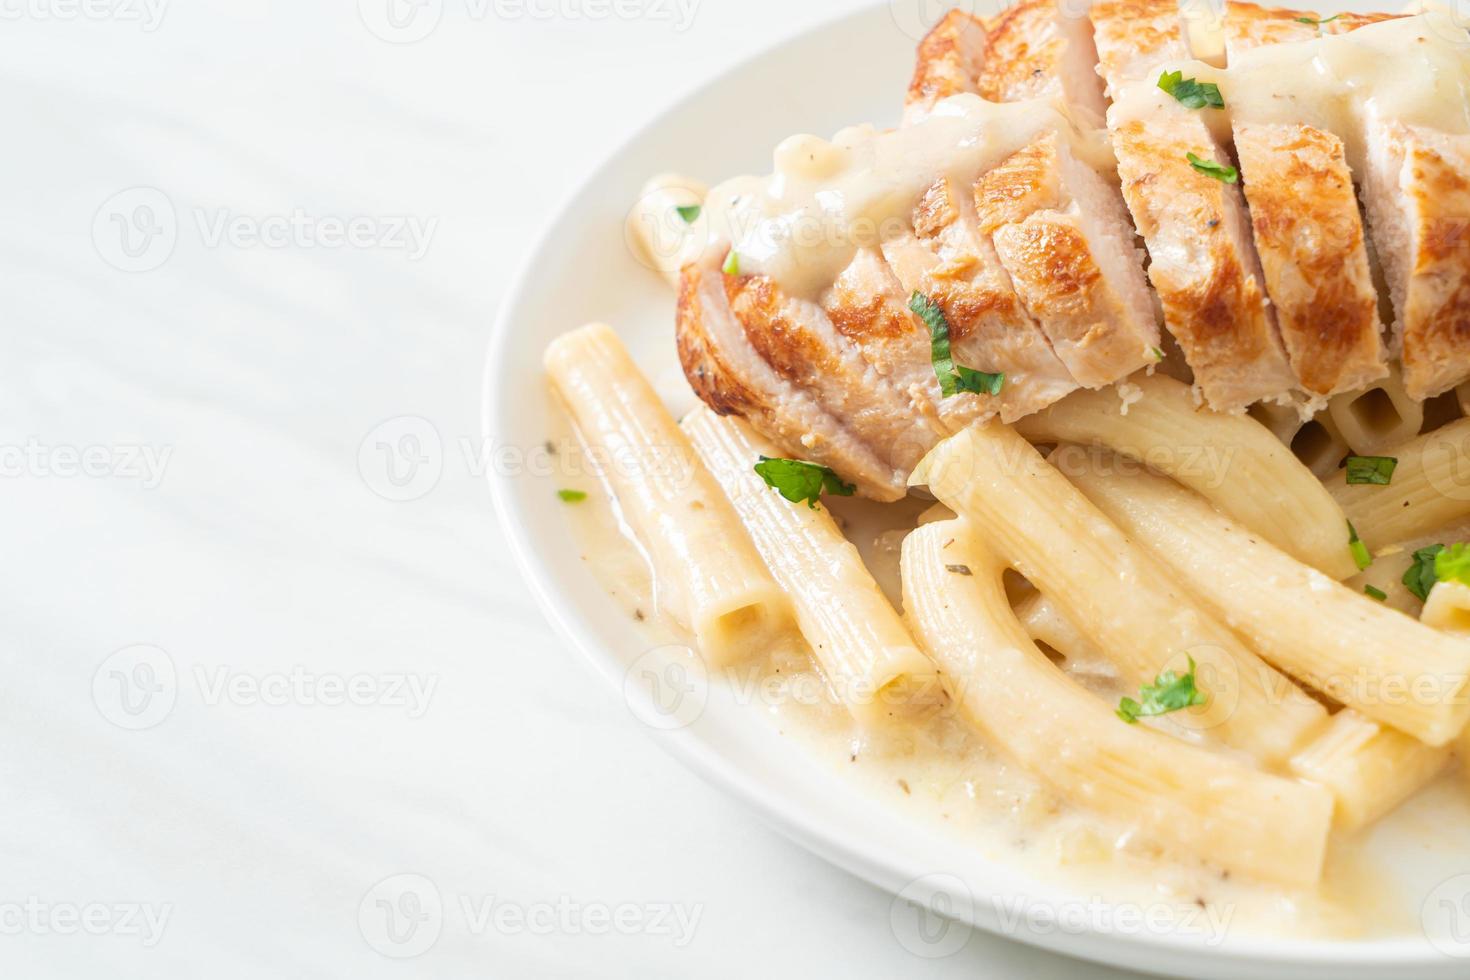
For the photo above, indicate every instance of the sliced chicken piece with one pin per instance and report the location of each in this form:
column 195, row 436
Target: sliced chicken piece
column 1309, row 233
column 949, row 62
column 1133, row 36
column 1308, row 227
column 949, row 260
column 1035, row 49
column 730, row 375
column 1040, row 49
column 1417, row 189
column 1249, row 25
column 1063, row 235
column 869, row 306
column 1204, row 263
column 1060, row 230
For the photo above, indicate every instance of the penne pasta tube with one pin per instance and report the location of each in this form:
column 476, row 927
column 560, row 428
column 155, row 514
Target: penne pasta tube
column 664, row 237
column 861, row 644
column 1113, row 590
column 1185, row 799
column 1379, row 418
column 1343, row 643
column 1370, row 769
column 1430, row 488
column 708, row 575
column 1232, row 460
column 1448, row 608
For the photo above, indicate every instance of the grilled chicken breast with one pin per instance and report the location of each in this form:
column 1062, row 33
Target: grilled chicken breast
column 1266, row 283
column 1204, row 264
column 1308, row 227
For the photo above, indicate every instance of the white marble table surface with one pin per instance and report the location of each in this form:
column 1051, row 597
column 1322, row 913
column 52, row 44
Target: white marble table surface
column 243, row 688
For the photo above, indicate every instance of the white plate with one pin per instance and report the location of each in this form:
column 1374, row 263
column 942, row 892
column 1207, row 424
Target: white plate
column 849, row 71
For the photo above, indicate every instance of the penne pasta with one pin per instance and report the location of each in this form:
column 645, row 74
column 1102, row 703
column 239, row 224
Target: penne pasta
column 1370, row 769
column 709, row 577
column 665, row 238
column 861, row 644
column 1340, row 642
column 1113, row 590
column 1448, row 608
column 1319, row 445
column 1430, row 488
column 1378, row 418
column 1190, row 801
column 1231, row 459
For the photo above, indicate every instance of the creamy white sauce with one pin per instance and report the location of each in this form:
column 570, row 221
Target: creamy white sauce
column 803, row 223
column 1414, row 69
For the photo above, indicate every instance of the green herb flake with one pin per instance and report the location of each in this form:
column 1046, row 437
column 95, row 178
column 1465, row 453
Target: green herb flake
column 1378, row 594
column 953, row 378
column 1453, row 564
column 1421, row 576
column 1314, row 22
column 1358, row 548
column 689, row 212
column 1191, row 92
column 572, row 496
column 799, row 481
column 732, row 264
column 1169, row 692
column 1377, row 470
column 1158, row 353
column 1219, row 171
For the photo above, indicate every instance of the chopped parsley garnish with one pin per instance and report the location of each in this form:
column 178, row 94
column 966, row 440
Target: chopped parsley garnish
column 1169, row 692
column 1453, row 564
column 1158, row 353
column 1358, row 548
column 959, row 569
column 1219, row 171
column 1378, row 594
column 953, row 378
column 689, row 212
column 1314, row 22
column 572, row 496
column 1191, row 92
column 732, row 264
column 798, row 480
column 1377, row 470
column 1421, row 576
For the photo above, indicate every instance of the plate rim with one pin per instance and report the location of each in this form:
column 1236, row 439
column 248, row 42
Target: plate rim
column 1141, row 950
